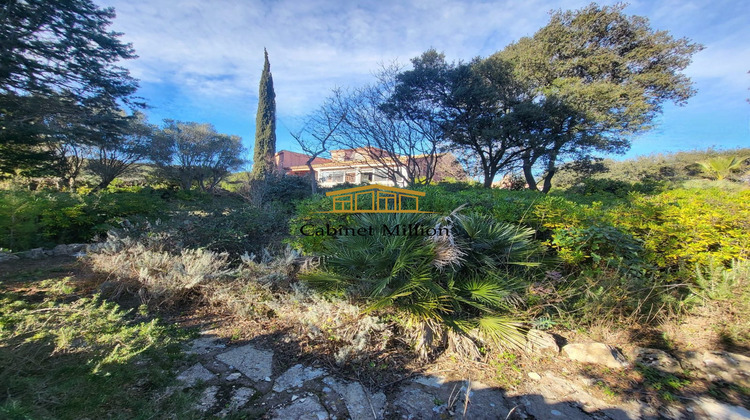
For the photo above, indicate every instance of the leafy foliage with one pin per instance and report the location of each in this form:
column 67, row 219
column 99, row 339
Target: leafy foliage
column 63, row 356
column 36, row 219
column 600, row 76
column 684, row 226
column 656, row 169
column 721, row 167
column 114, row 152
column 189, row 152
column 59, row 60
column 465, row 280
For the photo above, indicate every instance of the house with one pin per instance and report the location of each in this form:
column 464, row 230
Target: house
column 285, row 160
column 362, row 165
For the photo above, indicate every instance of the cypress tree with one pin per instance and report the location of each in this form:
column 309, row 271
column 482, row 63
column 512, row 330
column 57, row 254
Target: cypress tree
column 265, row 125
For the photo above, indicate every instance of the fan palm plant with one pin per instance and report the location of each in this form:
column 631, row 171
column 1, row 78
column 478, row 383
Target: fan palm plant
column 722, row 166
column 465, row 281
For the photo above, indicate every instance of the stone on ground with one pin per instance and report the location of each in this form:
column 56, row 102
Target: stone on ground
column 656, row 359
column 307, row 408
column 484, row 402
column 730, row 367
column 204, row 345
column 296, row 376
column 360, row 404
column 208, row 398
column 253, row 363
column 194, row 374
column 539, row 408
column 719, row 411
column 596, row 353
column 540, row 342
column 240, row 397
column 431, row 381
column 7, row 256
column 414, row 403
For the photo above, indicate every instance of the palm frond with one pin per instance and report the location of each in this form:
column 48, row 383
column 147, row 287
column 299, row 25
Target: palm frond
column 326, row 281
column 502, row 331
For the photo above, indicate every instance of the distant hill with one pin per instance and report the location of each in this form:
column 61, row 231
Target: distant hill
column 672, row 168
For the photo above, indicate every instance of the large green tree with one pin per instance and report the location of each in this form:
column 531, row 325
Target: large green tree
column 193, row 153
column 127, row 143
column 476, row 105
column 53, row 52
column 265, row 125
column 599, row 76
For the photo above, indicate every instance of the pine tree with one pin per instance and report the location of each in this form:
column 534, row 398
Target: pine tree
column 265, row 125
column 58, row 62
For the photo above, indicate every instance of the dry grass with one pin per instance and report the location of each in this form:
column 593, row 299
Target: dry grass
column 158, row 277
column 260, row 287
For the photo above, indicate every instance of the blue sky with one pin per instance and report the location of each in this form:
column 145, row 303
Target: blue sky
column 201, row 60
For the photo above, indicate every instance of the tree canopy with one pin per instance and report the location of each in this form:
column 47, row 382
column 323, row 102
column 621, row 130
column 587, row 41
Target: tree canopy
column 583, row 84
column 189, row 152
column 52, row 53
column 265, row 125
column 600, row 77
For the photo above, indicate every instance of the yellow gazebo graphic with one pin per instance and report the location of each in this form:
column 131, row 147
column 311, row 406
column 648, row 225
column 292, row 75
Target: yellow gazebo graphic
column 375, row 199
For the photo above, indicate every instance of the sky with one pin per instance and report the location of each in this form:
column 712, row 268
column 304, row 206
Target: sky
column 201, row 60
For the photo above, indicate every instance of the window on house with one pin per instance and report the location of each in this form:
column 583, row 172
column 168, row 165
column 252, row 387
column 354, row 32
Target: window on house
column 381, row 175
column 332, row 177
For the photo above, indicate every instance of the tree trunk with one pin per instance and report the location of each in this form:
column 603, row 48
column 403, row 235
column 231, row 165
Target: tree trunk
column 527, row 173
column 551, row 169
column 106, row 180
column 313, row 181
column 527, row 163
column 489, row 176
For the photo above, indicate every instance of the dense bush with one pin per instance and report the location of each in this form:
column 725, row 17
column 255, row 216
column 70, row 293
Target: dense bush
column 30, row 219
column 617, row 188
column 226, row 223
column 162, row 274
column 683, row 227
column 465, row 278
column 664, row 229
column 623, row 255
column 313, row 211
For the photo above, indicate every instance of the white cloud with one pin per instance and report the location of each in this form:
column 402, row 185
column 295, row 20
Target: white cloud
column 212, row 51
column 215, row 48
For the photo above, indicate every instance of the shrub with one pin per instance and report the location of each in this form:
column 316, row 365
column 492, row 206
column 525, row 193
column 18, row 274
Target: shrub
column 465, row 279
column 19, row 215
column 161, row 278
column 614, row 187
column 30, row 219
column 725, row 292
column 602, row 246
column 312, row 211
column 610, row 294
column 682, row 227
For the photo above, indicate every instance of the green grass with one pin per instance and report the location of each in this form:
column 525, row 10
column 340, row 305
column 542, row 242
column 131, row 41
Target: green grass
column 69, row 357
column 666, row 385
column 507, row 370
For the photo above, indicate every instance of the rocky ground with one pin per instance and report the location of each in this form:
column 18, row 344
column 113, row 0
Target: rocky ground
column 247, row 380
